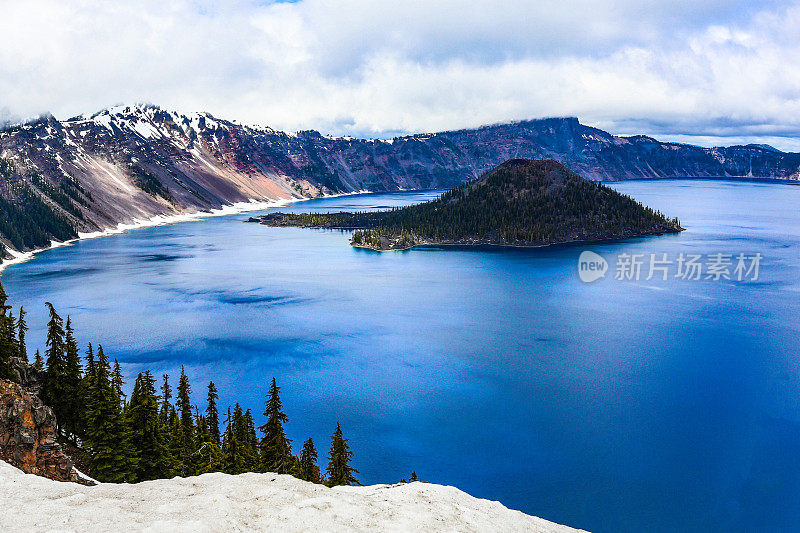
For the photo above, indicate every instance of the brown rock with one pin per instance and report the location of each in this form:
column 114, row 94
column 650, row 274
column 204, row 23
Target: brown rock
column 28, row 436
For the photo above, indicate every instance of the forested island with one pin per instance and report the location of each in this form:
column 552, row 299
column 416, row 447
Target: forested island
column 521, row 202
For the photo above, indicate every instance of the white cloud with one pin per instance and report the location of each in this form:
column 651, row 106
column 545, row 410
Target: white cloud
column 711, row 71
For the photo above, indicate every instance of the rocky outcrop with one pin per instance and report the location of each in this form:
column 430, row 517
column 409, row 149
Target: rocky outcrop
column 60, row 178
column 28, row 436
column 28, row 376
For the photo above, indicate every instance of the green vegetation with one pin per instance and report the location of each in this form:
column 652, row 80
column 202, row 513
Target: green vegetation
column 519, row 203
column 339, row 470
column 149, row 183
column 7, row 168
column 148, row 437
column 27, row 222
column 8, row 345
column 57, row 194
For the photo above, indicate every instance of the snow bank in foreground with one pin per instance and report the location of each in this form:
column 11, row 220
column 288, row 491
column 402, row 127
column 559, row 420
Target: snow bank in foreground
column 248, row 502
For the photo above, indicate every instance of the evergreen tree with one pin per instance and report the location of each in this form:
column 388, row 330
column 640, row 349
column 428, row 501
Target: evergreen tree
column 166, row 396
column 244, row 429
column 8, row 345
column 233, row 453
column 108, row 435
column 90, row 362
column 276, row 450
column 56, row 384
column 339, row 471
column 250, row 432
column 117, row 383
column 309, row 471
column 38, row 362
column 212, row 414
column 184, row 406
column 175, row 446
column 22, row 330
column 88, row 391
column 146, row 438
column 72, row 383
column 208, row 456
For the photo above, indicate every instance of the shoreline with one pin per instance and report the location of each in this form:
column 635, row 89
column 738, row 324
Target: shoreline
column 507, row 245
column 163, row 220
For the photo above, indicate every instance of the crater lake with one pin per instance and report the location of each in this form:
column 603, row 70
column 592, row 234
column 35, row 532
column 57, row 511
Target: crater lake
column 616, row 405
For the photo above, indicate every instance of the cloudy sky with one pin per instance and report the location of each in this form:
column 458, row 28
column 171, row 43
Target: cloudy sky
column 706, row 72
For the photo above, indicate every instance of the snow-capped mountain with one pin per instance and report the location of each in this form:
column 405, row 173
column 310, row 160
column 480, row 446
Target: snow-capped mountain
column 127, row 163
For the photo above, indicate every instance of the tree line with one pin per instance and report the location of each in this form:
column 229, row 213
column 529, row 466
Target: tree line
column 148, row 435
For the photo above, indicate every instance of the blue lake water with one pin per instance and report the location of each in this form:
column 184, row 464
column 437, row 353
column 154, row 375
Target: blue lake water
column 611, row 406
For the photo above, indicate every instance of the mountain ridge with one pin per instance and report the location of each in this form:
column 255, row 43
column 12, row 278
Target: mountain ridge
column 128, row 163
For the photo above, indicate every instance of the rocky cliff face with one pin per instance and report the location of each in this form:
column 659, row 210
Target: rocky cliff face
column 59, row 178
column 28, row 436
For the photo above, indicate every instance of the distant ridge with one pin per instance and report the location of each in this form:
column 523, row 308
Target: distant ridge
column 131, row 163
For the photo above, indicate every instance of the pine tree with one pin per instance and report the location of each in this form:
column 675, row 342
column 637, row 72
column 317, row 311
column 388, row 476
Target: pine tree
column 339, row 471
column 175, row 445
column 184, row 406
column 250, row 432
column 90, row 362
column 208, row 456
column 56, row 385
column 8, row 345
column 88, row 391
column 244, row 429
column 212, row 414
column 38, row 362
column 309, row 471
column 276, row 450
column 166, row 396
column 22, row 330
column 233, row 451
column 72, row 383
column 117, row 383
column 146, row 438
column 108, row 435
